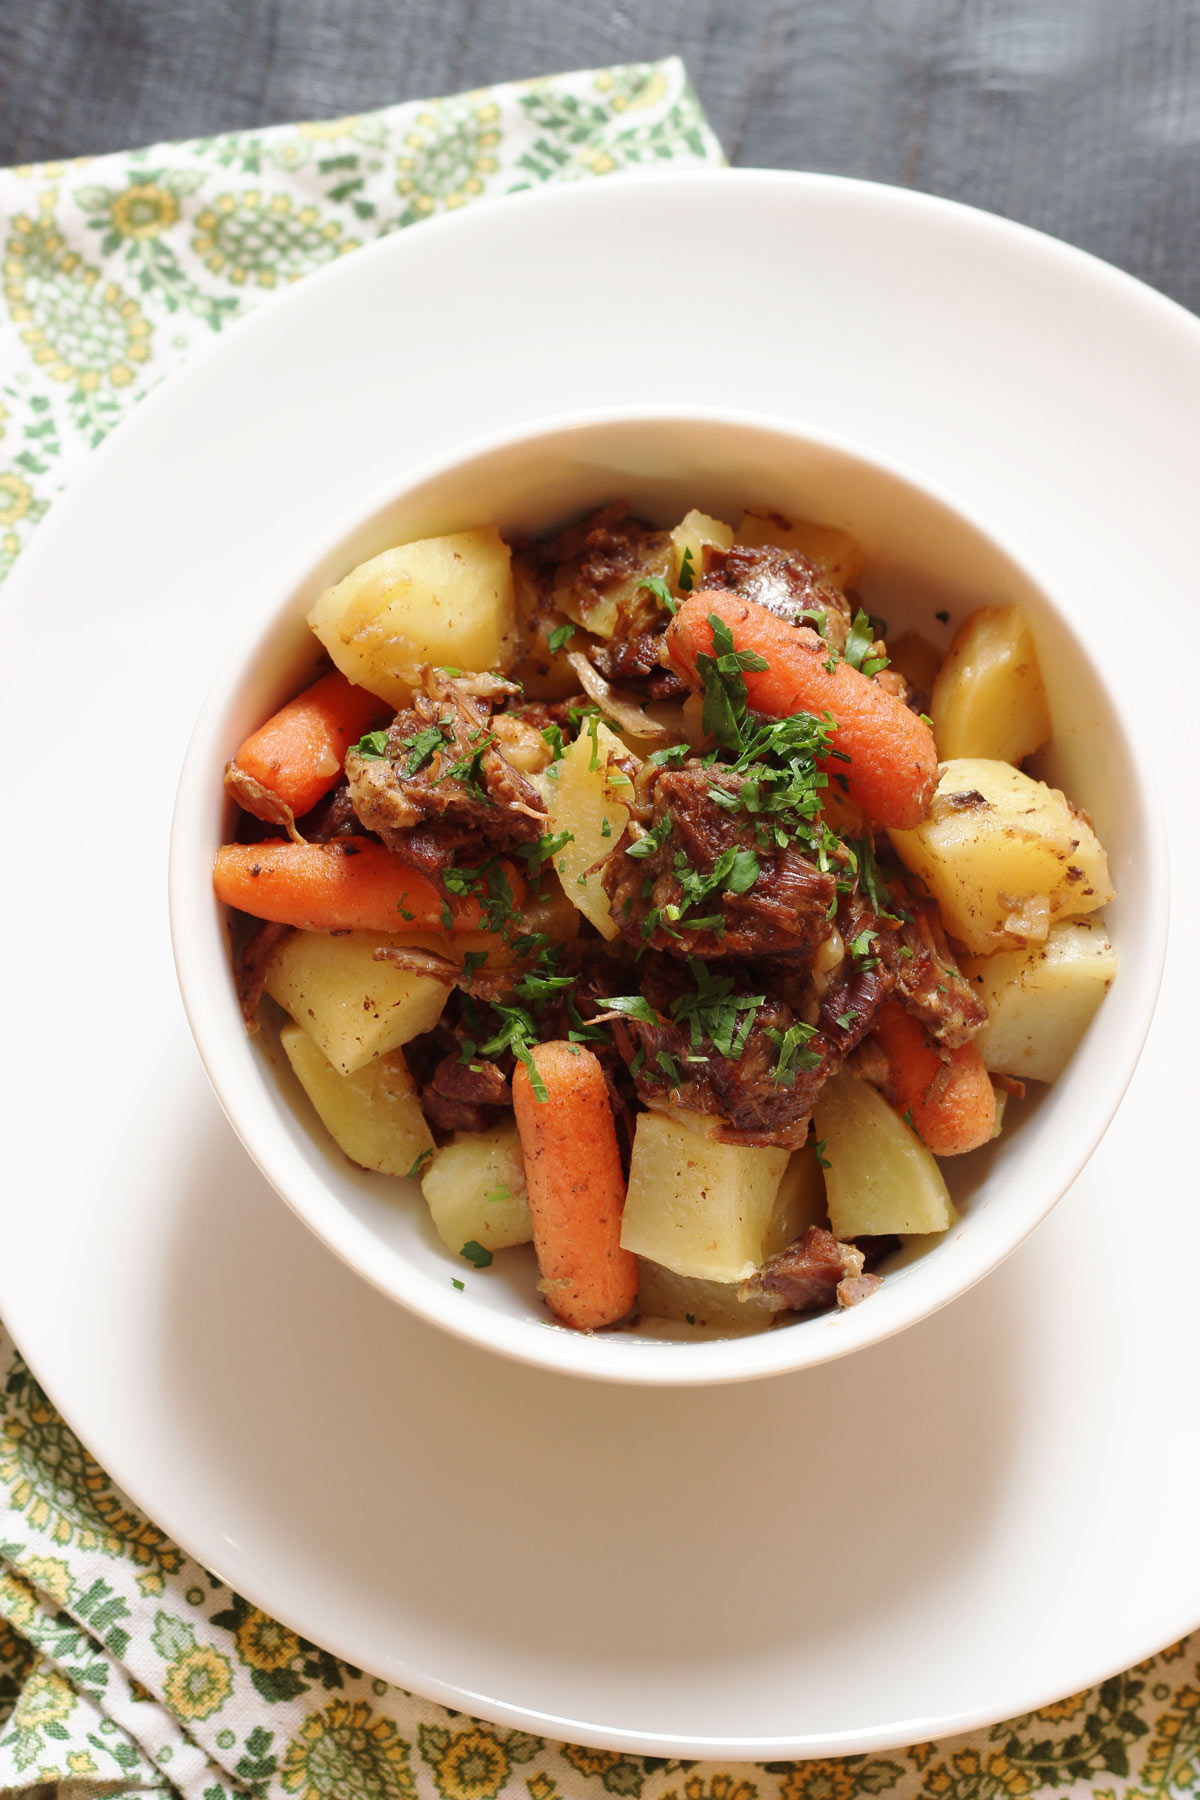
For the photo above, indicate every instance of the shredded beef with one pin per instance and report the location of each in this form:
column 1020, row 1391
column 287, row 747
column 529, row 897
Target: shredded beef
column 784, row 912
column 431, row 817
column 930, row 982
column 783, row 581
column 808, row 1275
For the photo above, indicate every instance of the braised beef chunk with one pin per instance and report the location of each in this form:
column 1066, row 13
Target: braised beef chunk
column 444, row 788
column 930, row 982
column 807, row 1275
column 634, row 662
column 785, row 582
column 718, row 1042
column 707, row 864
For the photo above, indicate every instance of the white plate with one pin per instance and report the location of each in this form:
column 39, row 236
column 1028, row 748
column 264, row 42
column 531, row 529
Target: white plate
column 960, row 1524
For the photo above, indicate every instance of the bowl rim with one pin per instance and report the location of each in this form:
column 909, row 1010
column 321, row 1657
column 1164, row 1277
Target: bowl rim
column 544, row 1343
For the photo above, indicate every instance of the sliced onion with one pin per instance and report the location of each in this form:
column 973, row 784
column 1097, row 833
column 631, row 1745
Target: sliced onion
column 621, row 708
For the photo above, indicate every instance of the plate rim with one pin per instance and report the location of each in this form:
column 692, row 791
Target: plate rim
column 27, row 571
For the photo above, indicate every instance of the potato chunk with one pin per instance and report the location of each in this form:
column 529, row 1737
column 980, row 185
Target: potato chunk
column 352, row 1007
column 881, row 1179
column 988, row 699
column 708, row 1304
column 579, row 802
column 373, row 1115
column 695, row 530
column 475, row 1187
column 1040, row 1001
column 444, row 600
column 835, row 553
column 1004, row 856
column 696, row 1205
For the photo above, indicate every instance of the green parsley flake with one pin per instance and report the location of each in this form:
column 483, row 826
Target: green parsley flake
column 476, row 1254
column 792, row 1054
column 687, row 571
column 460, row 1285
column 498, row 1196
column 561, row 635
column 822, row 1160
column 422, row 1159
column 655, row 585
column 372, row 747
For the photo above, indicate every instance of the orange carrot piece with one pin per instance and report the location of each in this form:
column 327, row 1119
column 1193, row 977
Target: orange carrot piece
column 576, row 1187
column 951, row 1104
column 350, row 884
column 892, row 769
column 300, row 752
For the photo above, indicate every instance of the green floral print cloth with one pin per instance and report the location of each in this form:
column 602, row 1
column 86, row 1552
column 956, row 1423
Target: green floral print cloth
column 125, row 1667
column 117, row 267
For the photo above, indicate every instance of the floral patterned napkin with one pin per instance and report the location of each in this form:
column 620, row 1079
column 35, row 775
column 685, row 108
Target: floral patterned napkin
column 125, row 1667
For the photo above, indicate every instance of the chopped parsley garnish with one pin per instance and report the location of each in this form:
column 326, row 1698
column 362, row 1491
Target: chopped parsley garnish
column 715, row 1012
column 419, row 1164
column 822, row 1160
column 859, row 641
column 562, row 634
column 554, row 738
column 724, row 713
column 687, row 571
column 658, row 587
column 848, row 1019
column 792, row 1051
column 543, row 848
column 407, row 916
column 489, row 886
column 944, row 617
column 421, row 746
column 634, row 1006
column 669, row 1067
column 860, row 947
column 372, row 747
column 673, row 753
column 605, row 827
column 690, row 1317
column 460, row 1285
column 652, row 840
column 498, row 1196
column 475, row 1253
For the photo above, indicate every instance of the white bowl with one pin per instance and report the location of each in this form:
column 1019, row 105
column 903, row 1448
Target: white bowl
column 924, row 555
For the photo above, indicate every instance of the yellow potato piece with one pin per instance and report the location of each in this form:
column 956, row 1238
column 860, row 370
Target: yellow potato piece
column 1004, row 856
column 374, row 1115
column 914, row 657
column 475, row 1187
column 988, row 699
column 662, row 1294
column 881, row 1179
column 352, row 1007
column 699, row 1207
column 1040, row 1001
column 580, row 802
column 835, row 553
column 443, row 600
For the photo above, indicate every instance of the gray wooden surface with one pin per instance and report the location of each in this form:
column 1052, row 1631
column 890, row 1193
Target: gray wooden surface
column 1081, row 117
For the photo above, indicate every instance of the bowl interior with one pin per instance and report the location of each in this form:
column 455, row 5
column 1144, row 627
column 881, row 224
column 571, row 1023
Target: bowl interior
column 923, row 558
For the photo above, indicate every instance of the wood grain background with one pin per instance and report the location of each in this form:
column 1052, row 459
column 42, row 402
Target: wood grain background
column 1081, row 117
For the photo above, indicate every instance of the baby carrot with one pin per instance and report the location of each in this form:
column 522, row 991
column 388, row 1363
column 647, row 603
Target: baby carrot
column 949, row 1100
column 576, row 1186
column 300, row 752
column 892, row 767
column 350, row 884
